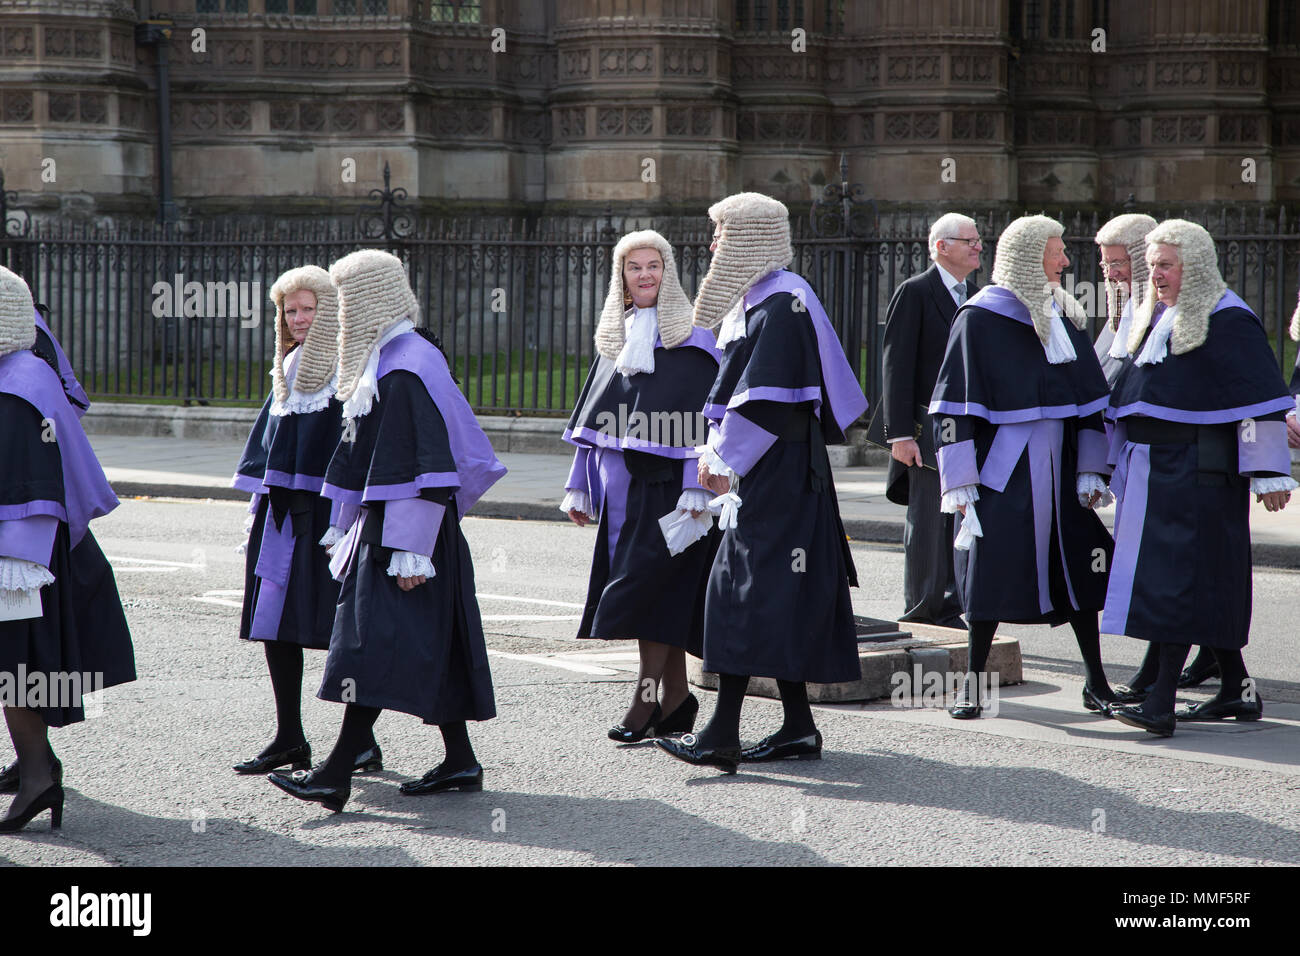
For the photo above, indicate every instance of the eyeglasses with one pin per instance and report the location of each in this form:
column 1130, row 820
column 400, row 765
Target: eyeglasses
column 1115, row 264
column 973, row 243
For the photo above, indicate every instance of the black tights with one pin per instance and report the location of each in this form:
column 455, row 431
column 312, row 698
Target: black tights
column 723, row 728
column 284, row 662
column 1150, row 665
column 1086, row 635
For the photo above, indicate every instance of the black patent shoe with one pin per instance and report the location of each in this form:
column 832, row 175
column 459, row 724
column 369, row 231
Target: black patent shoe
column 1124, row 694
column 804, row 748
column 965, row 709
column 299, row 757
column 1098, row 705
column 1223, row 710
column 303, row 786
column 727, row 759
column 1195, row 676
column 626, row 736
column 10, row 777
column 51, row 798
column 681, row 720
column 1162, row 725
column 370, row 760
column 469, row 780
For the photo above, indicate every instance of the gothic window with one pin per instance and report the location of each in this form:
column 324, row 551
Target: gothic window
column 456, row 11
column 1050, row 19
column 215, row 6
column 300, row 7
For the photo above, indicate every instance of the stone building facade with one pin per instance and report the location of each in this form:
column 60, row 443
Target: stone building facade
column 658, row 106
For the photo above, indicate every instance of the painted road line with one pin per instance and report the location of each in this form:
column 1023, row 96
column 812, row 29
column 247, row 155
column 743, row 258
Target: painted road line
column 524, row 600
column 574, row 666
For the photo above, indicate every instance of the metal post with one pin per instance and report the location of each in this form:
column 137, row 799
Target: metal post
column 157, row 33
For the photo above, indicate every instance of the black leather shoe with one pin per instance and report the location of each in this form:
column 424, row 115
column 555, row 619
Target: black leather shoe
column 1124, row 694
column 681, row 720
column 965, row 709
column 626, row 736
column 303, row 786
column 436, row 780
column 51, row 798
column 684, row 748
column 370, row 760
column 1162, row 725
column 299, row 756
column 1223, row 709
column 1098, row 705
column 804, row 748
column 10, row 778
column 1195, row 676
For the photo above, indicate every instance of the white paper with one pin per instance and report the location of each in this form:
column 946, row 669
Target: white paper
column 681, row 530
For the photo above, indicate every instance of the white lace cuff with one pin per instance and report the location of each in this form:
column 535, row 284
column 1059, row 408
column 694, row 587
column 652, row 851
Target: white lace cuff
column 715, row 464
column 19, row 575
column 964, row 495
column 332, row 537
column 578, row 501
column 1263, row 486
column 408, row 565
column 1087, row 484
column 694, row 499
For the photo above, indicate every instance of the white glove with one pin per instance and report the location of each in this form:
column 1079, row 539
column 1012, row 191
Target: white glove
column 681, row 530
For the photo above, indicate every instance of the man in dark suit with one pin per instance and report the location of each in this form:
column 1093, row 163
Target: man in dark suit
column 916, row 333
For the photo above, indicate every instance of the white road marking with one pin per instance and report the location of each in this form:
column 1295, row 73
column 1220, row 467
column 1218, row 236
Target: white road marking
column 530, row 617
column 151, row 561
column 524, row 600
column 555, row 662
column 222, row 598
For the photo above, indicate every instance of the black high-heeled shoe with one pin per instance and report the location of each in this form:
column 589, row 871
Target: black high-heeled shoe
column 51, row 798
column 10, row 776
column 1128, row 694
column 468, row 780
column 626, row 736
column 299, row 757
column 681, row 720
column 370, row 760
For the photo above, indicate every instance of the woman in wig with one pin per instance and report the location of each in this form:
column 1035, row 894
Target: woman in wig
column 289, row 595
column 636, row 426
column 410, row 462
column 61, row 619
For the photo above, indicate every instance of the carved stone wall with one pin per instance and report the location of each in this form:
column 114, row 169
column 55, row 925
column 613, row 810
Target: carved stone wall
column 656, row 105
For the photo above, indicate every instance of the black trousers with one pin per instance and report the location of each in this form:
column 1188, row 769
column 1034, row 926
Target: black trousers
column 929, row 581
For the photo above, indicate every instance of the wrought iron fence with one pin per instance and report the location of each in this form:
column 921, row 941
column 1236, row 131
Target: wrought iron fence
column 158, row 313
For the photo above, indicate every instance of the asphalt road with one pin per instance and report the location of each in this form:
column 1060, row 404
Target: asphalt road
column 150, row 783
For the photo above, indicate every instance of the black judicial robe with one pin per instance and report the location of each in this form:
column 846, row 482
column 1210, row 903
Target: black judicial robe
column 1022, row 429
column 82, row 630
column 420, row 652
column 1182, row 571
column 294, row 598
column 778, row 600
column 636, row 439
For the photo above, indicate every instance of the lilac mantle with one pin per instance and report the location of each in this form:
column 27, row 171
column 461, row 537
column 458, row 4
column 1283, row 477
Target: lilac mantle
column 86, row 491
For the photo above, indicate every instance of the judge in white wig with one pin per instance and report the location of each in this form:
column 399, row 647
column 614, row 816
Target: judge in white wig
column 1022, row 456
column 1198, row 428
column 1122, row 244
column 289, row 593
column 636, row 425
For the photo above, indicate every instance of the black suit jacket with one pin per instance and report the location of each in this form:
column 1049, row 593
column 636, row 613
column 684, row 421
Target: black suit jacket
column 916, row 335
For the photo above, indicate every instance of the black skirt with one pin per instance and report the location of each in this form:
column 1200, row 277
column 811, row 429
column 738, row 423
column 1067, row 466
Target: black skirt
column 420, row 652
column 646, row 593
column 311, row 595
column 81, row 642
column 778, row 600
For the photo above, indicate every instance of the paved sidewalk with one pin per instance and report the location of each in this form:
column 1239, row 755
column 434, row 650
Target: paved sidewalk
column 533, row 487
